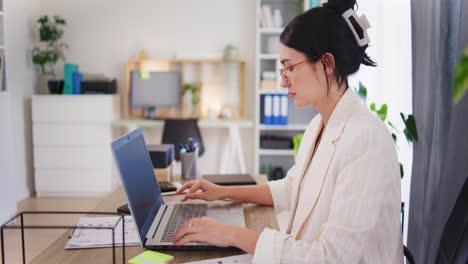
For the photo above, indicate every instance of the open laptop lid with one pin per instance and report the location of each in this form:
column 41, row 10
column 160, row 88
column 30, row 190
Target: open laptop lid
column 138, row 179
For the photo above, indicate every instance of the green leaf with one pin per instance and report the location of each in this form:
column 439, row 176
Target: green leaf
column 391, row 125
column 461, row 79
column 372, row 107
column 394, row 137
column 297, row 142
column 362, row 92
column 411, row 131
column 383, row 112
column 402, row 171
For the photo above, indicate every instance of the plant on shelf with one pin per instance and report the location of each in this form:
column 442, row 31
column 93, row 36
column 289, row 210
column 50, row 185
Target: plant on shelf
column 191, row 97
column 410, row 131
column 51, row 48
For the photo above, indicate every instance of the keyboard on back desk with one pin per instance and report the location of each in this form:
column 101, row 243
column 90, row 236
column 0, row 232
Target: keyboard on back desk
column 167, row 187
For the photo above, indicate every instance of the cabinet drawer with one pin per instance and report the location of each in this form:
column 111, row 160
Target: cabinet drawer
column 75, row 108
column 71, row 134
column 92, row 157
column 74, row 182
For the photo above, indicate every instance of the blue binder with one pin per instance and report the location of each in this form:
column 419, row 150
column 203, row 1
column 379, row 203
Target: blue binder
column 284, row 110
column 267, row 110
column 276, row 109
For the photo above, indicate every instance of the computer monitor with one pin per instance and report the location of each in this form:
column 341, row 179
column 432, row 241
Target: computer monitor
column 161, row 89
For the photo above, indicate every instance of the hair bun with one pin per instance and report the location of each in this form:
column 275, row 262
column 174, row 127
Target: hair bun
column 340, row 5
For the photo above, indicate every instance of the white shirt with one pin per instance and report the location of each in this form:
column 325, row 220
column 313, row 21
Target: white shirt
column 345, row 206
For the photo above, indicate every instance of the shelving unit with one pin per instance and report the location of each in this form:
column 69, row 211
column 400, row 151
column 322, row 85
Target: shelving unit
column 222, row 85
column 268, row 59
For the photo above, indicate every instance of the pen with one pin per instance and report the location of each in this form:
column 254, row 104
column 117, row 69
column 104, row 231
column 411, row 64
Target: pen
column 71, row 234
column 190, row 145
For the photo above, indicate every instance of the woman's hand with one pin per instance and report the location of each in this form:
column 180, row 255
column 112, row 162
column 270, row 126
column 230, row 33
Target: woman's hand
column 209, row 191
column 205, row 230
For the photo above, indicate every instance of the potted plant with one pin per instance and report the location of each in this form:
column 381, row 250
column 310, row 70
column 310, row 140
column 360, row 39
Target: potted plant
column 49, row 51
column 190, row 95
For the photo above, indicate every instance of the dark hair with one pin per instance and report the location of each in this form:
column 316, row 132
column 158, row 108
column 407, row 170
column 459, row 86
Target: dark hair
column 323, row 29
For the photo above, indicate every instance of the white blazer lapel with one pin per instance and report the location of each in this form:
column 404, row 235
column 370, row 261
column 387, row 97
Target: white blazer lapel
column 317, row 172
column 322, row 159
column 306, row 160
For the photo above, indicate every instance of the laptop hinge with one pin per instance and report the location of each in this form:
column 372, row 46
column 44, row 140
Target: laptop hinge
column 157, row 221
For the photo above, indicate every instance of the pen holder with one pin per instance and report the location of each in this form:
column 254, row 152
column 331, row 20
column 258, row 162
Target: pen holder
column 189, row 165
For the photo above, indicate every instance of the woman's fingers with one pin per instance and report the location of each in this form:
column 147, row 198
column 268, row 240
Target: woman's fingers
column 193, row 196
column 186, row 186
column 185, row 229
column 188, row 238
column 195, row 187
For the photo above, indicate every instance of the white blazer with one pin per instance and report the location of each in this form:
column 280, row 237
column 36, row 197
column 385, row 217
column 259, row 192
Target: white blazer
column 345, row 207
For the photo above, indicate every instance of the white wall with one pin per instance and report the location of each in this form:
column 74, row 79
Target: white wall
column 21, row 15
column 103, row 35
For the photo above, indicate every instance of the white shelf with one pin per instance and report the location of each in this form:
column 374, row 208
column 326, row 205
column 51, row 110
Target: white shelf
column 271, row 30
column 283, row 128
column 273, row 92
column 276, row 152
column 269, row 56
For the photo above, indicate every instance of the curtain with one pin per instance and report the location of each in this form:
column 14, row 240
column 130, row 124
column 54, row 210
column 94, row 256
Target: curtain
column 439, row 164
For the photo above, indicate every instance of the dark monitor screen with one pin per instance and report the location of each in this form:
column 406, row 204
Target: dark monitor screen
column 160, row 89
column 138, row 178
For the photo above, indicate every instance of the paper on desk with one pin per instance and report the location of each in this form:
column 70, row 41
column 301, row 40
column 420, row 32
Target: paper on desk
column 94, row 238
column 239, row 259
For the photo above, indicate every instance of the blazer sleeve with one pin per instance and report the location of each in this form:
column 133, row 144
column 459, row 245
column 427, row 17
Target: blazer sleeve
column 281, row 191
column 355, row 208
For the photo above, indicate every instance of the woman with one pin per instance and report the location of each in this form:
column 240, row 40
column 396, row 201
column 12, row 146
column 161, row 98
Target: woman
column 344, row 190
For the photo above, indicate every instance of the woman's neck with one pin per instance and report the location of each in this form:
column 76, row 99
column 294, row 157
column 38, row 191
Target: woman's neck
column 326, row 107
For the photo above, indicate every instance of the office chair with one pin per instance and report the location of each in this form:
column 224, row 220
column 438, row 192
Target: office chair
column 178, row 131
column 453, row 246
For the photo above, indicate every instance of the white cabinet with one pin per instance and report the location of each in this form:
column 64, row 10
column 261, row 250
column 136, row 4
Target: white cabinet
column 72, row 136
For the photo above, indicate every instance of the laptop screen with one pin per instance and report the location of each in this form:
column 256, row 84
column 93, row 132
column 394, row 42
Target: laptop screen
column 138, row 179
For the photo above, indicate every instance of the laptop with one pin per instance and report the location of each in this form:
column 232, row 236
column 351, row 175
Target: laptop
column 157, row 220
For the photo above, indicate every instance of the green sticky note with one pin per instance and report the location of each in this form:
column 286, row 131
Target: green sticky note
column 151, row 256
column 145, row 75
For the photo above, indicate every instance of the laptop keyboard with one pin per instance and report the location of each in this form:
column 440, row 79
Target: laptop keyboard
column 181, row 213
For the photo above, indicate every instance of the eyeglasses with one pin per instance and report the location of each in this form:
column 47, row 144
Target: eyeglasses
column 290, row 68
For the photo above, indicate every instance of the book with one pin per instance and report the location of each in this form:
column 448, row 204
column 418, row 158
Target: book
column 77, row 78
column 267, row 16
column 267, row 85
column 68, row 83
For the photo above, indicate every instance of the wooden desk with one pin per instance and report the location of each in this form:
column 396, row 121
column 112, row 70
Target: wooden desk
column 256, row 218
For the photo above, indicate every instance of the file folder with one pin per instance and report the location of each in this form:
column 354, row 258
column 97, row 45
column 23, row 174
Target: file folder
column 267, row 110
column 276, row 109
